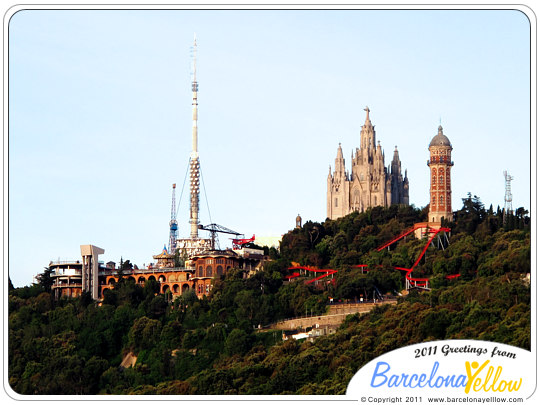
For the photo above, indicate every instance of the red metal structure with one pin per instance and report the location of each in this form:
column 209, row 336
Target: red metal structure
column 403, row 234
column 414, row 281
column 411, row 282
column 327, row 272
column 238, row 243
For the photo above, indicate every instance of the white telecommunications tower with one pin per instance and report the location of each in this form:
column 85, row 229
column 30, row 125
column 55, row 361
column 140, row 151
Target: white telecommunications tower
column 507, row 196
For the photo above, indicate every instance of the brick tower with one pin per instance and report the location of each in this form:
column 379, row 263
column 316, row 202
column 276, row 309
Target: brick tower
column 440, row 162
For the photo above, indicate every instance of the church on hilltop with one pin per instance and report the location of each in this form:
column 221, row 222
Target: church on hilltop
column 369, row 183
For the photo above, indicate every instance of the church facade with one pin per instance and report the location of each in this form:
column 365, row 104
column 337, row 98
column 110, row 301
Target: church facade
column 369, row 183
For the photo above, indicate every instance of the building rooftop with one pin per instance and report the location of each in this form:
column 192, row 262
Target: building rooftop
column 440, row 139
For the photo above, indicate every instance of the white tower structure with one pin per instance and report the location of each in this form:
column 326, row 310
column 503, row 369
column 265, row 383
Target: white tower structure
column 194, row 164
column 194, row 244
column 508, row 210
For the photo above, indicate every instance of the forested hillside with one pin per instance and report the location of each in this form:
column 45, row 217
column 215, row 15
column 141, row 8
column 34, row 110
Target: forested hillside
column 213, row 346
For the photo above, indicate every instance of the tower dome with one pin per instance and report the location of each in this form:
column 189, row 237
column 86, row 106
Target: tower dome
column 298, row 222
column 440, row 139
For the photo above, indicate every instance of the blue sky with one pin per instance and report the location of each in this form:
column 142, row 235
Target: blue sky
column 100, row 117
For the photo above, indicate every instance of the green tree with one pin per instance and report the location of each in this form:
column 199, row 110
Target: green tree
column 238, row 342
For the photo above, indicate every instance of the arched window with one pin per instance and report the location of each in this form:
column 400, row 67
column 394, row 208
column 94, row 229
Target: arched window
column 209, row 271
column 219, row 270
column 200, row 272
column 441, row 180
column 441, row 200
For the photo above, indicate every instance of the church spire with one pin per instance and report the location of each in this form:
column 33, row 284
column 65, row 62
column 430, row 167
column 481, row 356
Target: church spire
column 340, row 161
column 367, row 114
column 339, row 152
column 396, row 155
column 367, row 134
column 396, row 163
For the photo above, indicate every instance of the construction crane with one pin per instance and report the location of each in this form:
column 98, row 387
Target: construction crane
column 214, row 229
column 173, row 224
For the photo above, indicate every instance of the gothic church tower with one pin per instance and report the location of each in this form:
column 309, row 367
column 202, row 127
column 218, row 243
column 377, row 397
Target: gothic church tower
column 370, row 183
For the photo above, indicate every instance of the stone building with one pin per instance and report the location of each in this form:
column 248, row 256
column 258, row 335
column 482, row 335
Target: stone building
column 440, row 163
column 70, row 277
column 369, row 183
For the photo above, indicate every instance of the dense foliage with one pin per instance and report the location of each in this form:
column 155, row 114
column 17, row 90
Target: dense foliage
column 214, row 345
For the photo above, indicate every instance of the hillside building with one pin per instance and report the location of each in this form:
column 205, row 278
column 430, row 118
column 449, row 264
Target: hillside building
column 72, row 277
column 369, row 183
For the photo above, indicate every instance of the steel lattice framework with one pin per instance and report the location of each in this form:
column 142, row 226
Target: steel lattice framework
column 173, row 224
column 507, row 195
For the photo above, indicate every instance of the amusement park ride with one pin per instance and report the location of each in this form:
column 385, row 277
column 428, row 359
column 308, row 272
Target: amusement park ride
column 410, row 282
column 237, row 243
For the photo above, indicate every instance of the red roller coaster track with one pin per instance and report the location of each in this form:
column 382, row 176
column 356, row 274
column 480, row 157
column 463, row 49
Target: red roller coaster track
column 402, row 235
column 327, row 272
column 411, row 281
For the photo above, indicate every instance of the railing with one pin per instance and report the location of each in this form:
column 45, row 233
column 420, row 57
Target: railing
column 353, row 304
column 67, row 285
column 65, row 262
column 113, row 272
column 67, row 273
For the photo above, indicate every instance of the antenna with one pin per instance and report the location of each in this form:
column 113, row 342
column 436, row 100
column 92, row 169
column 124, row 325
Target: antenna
column 507, row 196
column 194, row 163
column 194, row 67
column 173, row 224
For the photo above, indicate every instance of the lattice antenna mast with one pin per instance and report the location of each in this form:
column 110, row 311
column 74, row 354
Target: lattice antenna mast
column 507, row 196
column 194, row 164
column 173, row 224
